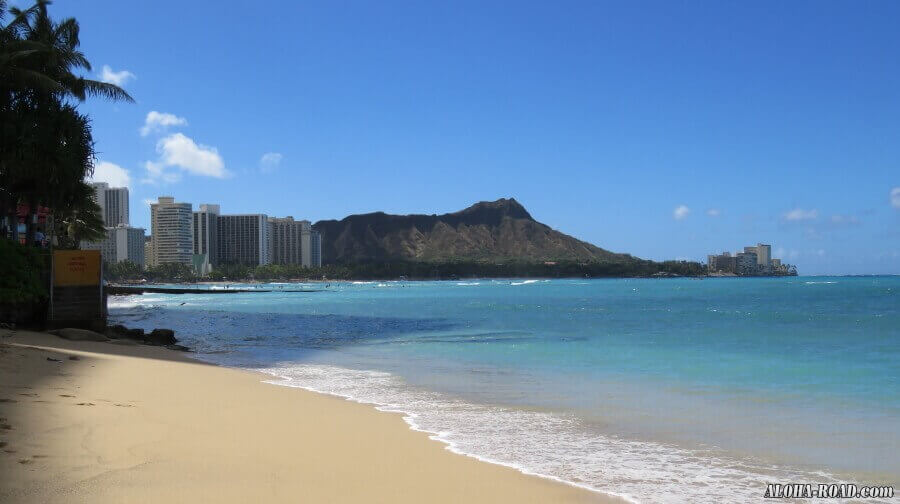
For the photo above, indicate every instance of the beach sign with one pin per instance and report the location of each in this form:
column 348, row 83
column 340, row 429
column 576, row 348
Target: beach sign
column 76, row 268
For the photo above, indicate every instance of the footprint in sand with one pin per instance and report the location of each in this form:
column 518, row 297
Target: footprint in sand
column 65, row 395
column 124, row 405
column 5, row 426
column 85, row 404
column 28, row 394
column 3, row 444
column 2, row 400
column 25, row 461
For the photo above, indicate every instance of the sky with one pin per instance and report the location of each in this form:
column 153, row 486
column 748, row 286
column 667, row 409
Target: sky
column 668, row 130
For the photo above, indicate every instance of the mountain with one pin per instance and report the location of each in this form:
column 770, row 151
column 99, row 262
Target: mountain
column 489, row 230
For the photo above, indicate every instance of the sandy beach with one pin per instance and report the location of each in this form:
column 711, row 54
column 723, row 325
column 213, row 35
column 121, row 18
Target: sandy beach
column 106, row 423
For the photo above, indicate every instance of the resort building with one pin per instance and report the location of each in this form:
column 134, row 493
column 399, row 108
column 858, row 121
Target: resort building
column 206, row 241
column 746, row 263
column 284, row 240
column 764, row 254
column 113, row 203
column 171, row 231
column 753, row 261
column 122, row 243
column 243, row 239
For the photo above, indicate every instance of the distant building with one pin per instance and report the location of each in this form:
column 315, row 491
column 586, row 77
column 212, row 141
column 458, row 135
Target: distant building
column 764, row 254
column 315, row 249
column 122, row 243
column 753, row 261
column 747, row 263
column 206, row 238
column 113, row 203
column 243, row 239
column 723, row 263
column 306, row 244
column 285, row 240
column 170, row 227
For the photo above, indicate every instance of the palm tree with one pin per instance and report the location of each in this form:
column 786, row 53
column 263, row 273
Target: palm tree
column 39, row 65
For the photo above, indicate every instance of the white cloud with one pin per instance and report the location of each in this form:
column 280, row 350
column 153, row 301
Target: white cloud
column 799, row 214
column 118, row 78
column 713, row 212
column 181, row 152
column 895, row 197
column 111, row 173
column 270, row 161
column 160, row 121
column 681, row 212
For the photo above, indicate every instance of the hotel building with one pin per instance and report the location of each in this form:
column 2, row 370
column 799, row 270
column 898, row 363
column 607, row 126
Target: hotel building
column 171, row 232
column 113, row 203
column 243, row 239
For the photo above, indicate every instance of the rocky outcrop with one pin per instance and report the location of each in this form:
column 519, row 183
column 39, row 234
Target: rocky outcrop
column 158, row 337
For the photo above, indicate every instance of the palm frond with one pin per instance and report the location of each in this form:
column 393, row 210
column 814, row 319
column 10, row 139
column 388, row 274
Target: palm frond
column 106, row 90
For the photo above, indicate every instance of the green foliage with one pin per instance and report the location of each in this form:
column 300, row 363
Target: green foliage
column 23, row 273
column 171, row 272
column 459, row 269
column 46, row 145
column 123, row 271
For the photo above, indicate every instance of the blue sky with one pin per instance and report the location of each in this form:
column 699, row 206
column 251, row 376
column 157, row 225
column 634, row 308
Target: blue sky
column 662, row 129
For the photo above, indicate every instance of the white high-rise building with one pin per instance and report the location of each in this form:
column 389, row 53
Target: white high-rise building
column 206, row 237
column 113, row 203
column 122, row 243
column 763, row 254
column 243, row 239
column 171, row 228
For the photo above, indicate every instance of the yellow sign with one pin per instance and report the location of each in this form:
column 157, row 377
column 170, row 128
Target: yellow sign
column 76, row 267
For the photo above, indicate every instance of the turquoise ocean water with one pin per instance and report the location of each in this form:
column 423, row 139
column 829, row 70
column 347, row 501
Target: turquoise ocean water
column 672, row 390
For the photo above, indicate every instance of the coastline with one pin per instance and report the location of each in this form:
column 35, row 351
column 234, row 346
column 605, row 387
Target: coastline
column 101, row 422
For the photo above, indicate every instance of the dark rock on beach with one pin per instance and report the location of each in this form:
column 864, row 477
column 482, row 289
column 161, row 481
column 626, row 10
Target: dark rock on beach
column 162, row 337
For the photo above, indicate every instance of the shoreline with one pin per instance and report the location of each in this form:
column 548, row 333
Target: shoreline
column 86, row 425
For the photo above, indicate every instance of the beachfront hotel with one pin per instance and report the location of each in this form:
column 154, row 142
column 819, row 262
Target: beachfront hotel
column 752, row 261
column 113, row 203
column 206, row 238
column 170, row 228
column 243, row 239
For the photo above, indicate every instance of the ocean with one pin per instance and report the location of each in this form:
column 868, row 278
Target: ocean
column 656, row 390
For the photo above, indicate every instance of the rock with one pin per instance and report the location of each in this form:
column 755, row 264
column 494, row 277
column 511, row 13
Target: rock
column 162, row 337
column 136, row 334
column 73, row 334
column 180, row 348
column 116, row 331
